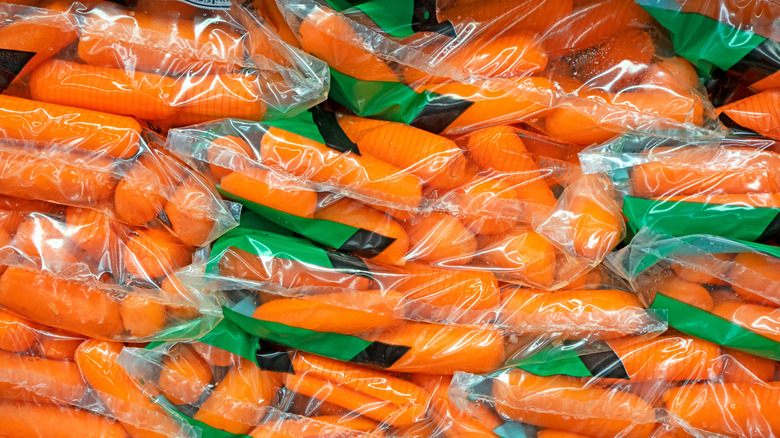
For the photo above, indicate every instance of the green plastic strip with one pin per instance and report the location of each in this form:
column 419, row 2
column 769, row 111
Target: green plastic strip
column 511, row 429
column 704, row 325
column 679, row 218
column 332, row 345
column 705, row 42
column 393, row 16
column 552, row 361
column 302, row 124
column 230, row 337
column 205, row 430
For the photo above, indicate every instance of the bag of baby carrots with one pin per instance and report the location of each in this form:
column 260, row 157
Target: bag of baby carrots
column 579, row 71
column 398, row 194
column 82, row 272
column 727, row 188
column 106, row 163
column 721, row 290
column 165, row 63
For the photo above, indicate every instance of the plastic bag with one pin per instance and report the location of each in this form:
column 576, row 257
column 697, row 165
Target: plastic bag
column 106, row 163
column 167, row 69
column 727, row 188
column 332, row 179
column 720, row 290
column 78, row 270
column 580, row 72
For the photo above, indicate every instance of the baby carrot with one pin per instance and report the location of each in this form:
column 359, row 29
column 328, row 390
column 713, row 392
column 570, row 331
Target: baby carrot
column 687, row 292
column 44, row 238
column 338, row 312
column 63, row 177
column 141, row 417
column 668, row 358
column 153, row 253
column 16, row 333
column 19, row 420
column 192, row 211
column 740, row 367
column 576, row 126
column 441, row 287
column 439, row 238
column 756, row 318
column 507, row 55
column 443, row 349
column 573, row 314
column 731, row 409
column 115, row 136
column 142, row 317
column 365, row 175
column 92, row 231
column 436, row 160
column 520, row 252
column 370, row 393
column 314, row 427
column 58, row 344
column 486, row 204
column 208, row 97
column 596, row 228
column 131, row 93
column 674, row 74
column 356, row 214
column 271, row 190
column 755, row 272
column 237, row 403
column 571, row 404
column 176, row 292
column 552, row 433
column 57, row 380
column 317, row 34
column 539, row 17
column 142, row 193
column 231, row 150
column 215, row 356
column 500, row 149
column 757, row 112
column 703, row 269
column 238, row 263
column 184, row 376
column 61, row 303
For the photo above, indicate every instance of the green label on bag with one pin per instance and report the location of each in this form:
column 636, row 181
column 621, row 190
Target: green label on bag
column 399, row 18
column 397, row 102
column 680, row 218
column 332, row 345
column 202, row 429
column 701, row 324
column 575, row 360
column 701, row 40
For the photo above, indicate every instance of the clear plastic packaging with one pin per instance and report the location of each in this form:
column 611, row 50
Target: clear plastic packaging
column 165, row 63
column 579, row 71
column 106, row 163
column 727, row 188
column 79, row 271
column 724, row 291
column 397, row 194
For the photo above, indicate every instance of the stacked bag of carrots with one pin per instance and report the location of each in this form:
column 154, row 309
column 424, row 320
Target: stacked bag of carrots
column 428, row 218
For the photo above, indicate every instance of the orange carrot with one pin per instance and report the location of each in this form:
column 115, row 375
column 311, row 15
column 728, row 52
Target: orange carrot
column 731, row 409
column 443, row 349
column 520, row 252
column 131, row 93
column 355, row 214
column 141, row 417
column 330, row 37
column 61, row 177
column 271, row 190
column 703, row 269
column 215, row 356
column 208, row 97
column 365, row 175
column 674, row 74
column 184, row 376
column 475, row 290
column 596, row 228
column 771, row 81
column 740, row 367
column 551, row 433
column 314, row 427
column 576, row 126
column 61, row 303
column 19, row 420
column 270, row 11
column 142, row 317
column 486, row 205
column 570, row 404
column 436, row 160
column 93, row 232
column 238, row 263
column 758, row 112
column 755, row 272
column 141, row 194
column 16, row 333
column 193, row 211
column 370, row 393
column 507, row 15
column 237, row 403
column 231, row 149
column 501, row 149
column 756, row 318
column 44, row 238
column 176, row 291
column 440, row 238
column 338, row 312
column 573, row 313
column 58, row 344
column 687, row 292
column 153, row 253
column 116, row 136
column 38, row 377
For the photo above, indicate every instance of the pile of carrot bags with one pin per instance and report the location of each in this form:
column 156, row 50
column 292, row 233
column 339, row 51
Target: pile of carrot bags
column 389, row 218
